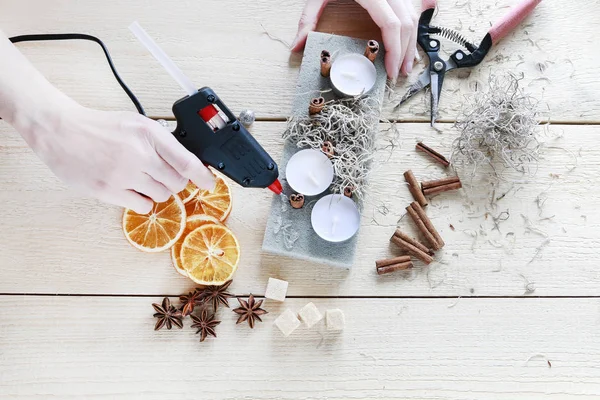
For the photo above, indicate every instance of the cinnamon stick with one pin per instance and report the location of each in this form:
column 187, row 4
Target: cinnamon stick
column 372, row 50
column 439, row 182
column 327, row 148
column 297, row 200
column 412, row 241
column 316, row 105
column 427, row 222
column 421, row 225
column 443, row 188
column 391, row 261
column 433, row 154
column 394, row 267
column 418, row 253
column 414, row 188
column 348, row 191
column 325, row 63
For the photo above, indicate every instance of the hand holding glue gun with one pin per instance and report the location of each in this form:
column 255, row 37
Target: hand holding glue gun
column 124, row 158
column 207, row 128
column 121, row 158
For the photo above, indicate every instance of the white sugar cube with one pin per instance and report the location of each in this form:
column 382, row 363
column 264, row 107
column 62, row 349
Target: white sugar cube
column 287, row 322
column 334, row 319
column 310, row 315
column 276, row 289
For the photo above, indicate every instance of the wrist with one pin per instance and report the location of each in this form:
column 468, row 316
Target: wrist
column 27, row 100
column 40, row 112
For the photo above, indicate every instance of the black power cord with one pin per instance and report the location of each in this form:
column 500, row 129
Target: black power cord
column 81, row 36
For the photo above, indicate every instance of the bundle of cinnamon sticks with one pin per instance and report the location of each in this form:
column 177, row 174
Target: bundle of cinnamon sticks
column 440, row 185
column 393, row 264
column 415, row 210
column 429, row 188
column 412, row 246
column 433, row 154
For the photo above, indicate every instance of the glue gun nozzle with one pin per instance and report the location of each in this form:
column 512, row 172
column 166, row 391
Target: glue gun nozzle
column 276, row 187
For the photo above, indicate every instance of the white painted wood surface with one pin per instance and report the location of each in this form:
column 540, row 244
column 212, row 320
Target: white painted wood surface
column 465, row 346
column 221, row 44
column 474, row 349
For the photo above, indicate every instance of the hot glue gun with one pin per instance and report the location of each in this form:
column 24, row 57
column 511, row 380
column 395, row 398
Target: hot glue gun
column 207, row 128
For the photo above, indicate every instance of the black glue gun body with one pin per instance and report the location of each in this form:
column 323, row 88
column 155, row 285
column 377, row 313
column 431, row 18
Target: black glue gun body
column 207, row 128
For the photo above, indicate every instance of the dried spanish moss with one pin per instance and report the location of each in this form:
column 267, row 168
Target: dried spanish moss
column 273, row 37
column 529, row 286
column 499, row 125
column 351, row 126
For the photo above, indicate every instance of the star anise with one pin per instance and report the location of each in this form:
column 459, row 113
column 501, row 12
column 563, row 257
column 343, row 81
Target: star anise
column 167, row 314
column 249, row 310
column 188, row 301
column 205, row 323
column 217, row 295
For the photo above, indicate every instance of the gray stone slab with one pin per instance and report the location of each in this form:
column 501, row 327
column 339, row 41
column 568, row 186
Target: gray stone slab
column 286, row 223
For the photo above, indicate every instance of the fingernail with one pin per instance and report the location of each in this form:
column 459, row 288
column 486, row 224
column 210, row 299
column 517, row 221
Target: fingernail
column 409, row 66
column 209, row 184
column 205, row 180
column 295, row 42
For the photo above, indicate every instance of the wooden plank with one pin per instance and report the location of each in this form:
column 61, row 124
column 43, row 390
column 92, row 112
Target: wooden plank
column 56, row 242
column 411, row 349
column 222, row 44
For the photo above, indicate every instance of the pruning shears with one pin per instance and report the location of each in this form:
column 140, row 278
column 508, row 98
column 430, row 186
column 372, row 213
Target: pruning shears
column 468, row 56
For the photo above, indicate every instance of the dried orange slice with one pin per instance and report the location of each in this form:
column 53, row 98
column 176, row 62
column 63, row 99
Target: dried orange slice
column 210, row 254
column 193, row 222
column 159, row 229
column 216, row 203
column 188, row 192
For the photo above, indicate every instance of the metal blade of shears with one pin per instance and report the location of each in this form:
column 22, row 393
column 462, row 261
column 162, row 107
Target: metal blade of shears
column 435, row 79
column 416, row 87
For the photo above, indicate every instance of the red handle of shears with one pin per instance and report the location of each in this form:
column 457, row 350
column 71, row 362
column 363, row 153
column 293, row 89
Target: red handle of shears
column 427, row 4
column 510, row 21
column 506, row 24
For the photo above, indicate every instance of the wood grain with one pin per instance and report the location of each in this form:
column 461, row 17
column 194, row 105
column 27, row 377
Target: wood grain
column 539, row 238
column 54, row 241
column 411, row 349
column 222, row 44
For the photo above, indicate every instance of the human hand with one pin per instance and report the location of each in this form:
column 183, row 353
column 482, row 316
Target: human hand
column 397, row 19
column 121, row 158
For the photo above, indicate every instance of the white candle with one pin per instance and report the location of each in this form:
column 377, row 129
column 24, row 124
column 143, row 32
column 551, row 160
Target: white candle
column 309, row 172
column 352, row 74
column 335, row 218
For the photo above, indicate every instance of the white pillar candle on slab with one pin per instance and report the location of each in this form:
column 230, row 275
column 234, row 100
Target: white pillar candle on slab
column 309, row 172
column 352, row 74
column 335, row 218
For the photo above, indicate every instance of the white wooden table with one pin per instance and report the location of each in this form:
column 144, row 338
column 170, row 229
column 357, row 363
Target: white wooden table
column 76, row 320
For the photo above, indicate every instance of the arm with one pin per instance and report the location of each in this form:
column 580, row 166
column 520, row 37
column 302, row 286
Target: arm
column 121, row 158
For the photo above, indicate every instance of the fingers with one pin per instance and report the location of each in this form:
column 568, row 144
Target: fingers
column 162, row 172
column 308, row 22
column 385, row 17
column 408, row 33
column 411, row 51
column 149, row 187
column 186, row 164
column 412, row 54
column 126, row 198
